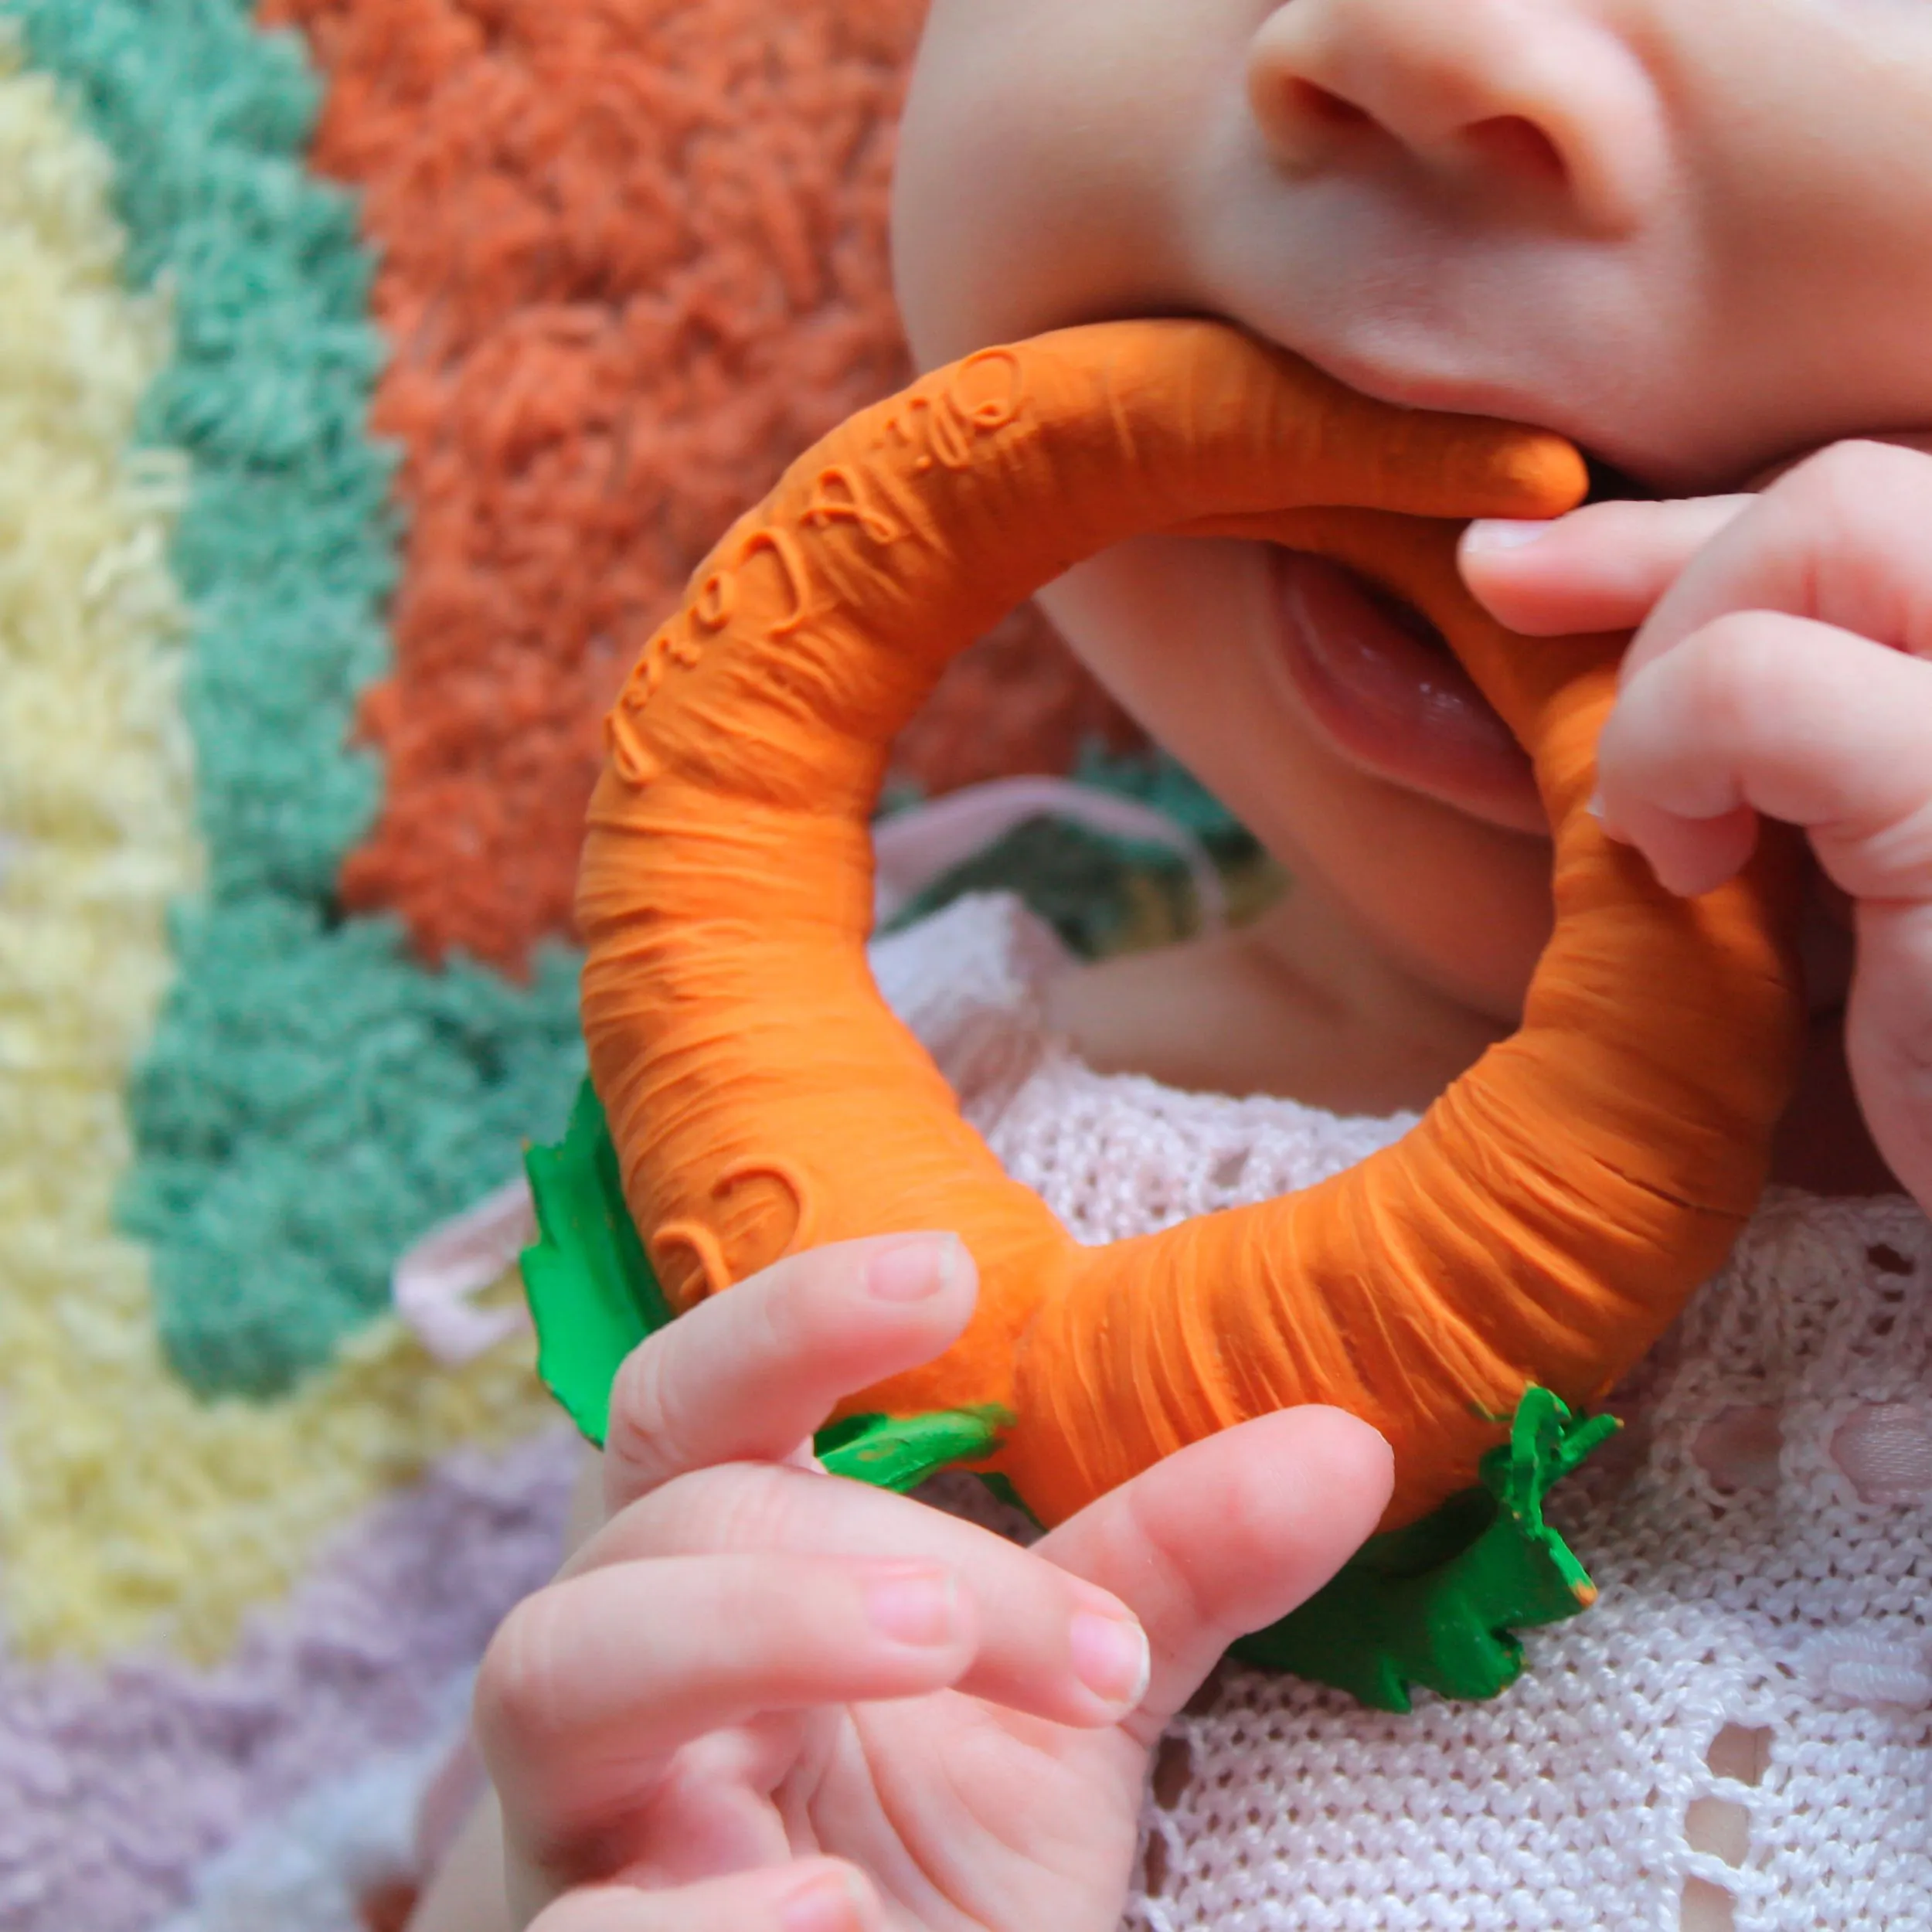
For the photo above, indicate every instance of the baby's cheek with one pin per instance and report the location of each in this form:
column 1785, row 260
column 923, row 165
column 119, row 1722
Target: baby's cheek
column 1035, row 179
column 1163, row 623
column 1183, row 633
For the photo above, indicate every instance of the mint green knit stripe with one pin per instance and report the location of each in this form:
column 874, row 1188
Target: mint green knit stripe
column 313, row 1099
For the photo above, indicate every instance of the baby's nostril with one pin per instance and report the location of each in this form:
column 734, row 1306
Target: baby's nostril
column 1515, row 145
column 1316, row 104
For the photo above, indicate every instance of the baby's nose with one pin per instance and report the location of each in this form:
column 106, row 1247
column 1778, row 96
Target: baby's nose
column 1540, row 100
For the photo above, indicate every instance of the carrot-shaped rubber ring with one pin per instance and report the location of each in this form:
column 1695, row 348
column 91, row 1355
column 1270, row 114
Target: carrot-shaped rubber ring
column 1543, row 1223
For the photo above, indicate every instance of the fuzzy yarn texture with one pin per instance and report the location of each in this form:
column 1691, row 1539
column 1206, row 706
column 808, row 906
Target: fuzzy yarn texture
column 130, row 1510
column 633, row 260
column 311, row 1099
column 345, row 1850
column 1748, row 1708
column 95, row 767
column 121, row 1787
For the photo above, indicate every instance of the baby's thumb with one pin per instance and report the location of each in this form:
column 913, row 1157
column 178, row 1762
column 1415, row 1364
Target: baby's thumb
column 1888, row 1036
column 1226, row 1535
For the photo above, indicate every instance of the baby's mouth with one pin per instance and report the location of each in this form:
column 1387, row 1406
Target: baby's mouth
column 1381, row 681
column 1610, row 484
column 1378, row 681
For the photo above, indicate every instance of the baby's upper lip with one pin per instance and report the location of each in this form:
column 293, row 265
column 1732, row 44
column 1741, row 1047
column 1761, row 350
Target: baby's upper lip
column 1619, row 466
column 1408, row 389
column 1614, row 472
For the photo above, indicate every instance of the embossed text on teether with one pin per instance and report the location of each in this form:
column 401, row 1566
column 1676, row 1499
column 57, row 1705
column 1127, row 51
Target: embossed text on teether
column 947, row 424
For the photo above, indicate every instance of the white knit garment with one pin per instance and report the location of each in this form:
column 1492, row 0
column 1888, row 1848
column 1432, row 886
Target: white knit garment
column 1759, row 1535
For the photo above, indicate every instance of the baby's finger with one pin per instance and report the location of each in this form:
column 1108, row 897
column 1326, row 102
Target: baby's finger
column 589, row 1688
column 1840, row 539
column 1761, row 713
column 1051, row 1644
column 816, row 1895
column 1600, row 568
column 748, row 1375
column 1228, row 1535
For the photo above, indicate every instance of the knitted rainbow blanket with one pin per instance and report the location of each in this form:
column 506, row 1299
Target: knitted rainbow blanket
column 371, row 372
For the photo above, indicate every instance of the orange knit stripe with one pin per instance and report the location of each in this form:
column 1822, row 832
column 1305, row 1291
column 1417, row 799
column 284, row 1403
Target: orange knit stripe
column 633, row 259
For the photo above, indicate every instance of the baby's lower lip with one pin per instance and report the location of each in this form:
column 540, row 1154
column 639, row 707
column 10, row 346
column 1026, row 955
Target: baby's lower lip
column 1401, row 709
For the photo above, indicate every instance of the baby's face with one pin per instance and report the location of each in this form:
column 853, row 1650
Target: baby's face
column 1695, row 236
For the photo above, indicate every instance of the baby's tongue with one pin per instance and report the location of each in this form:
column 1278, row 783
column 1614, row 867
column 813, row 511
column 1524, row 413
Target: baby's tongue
column 1381, row 682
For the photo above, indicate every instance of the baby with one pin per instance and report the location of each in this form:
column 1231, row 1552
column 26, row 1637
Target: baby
column 1692, row 236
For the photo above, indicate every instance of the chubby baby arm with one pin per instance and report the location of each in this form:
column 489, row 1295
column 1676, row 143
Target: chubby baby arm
column 1783, row 666
column 759, row 1695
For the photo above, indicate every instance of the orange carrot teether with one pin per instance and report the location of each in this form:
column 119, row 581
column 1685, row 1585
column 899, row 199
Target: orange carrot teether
column 1542, row 1224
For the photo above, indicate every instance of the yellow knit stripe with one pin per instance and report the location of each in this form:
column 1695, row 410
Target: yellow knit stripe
column 128, row 1512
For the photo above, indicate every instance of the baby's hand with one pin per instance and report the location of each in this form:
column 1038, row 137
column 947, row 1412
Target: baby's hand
column 764, row 1697
column 1781, row 667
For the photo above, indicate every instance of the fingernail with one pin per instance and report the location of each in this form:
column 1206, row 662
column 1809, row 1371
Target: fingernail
column 913, row 1270
column 828, row 1902
column 1594, row 805
column 1110, row 1657
column 1493, row 533
column 913, row 1605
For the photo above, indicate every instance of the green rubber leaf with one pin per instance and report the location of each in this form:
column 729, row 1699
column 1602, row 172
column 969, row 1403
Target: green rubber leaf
column 593, row 1293
column 900, row 1452
column 594, row 1296
column 1438, row 1603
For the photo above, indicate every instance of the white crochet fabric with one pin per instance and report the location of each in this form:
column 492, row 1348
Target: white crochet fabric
column 1758, row 1671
